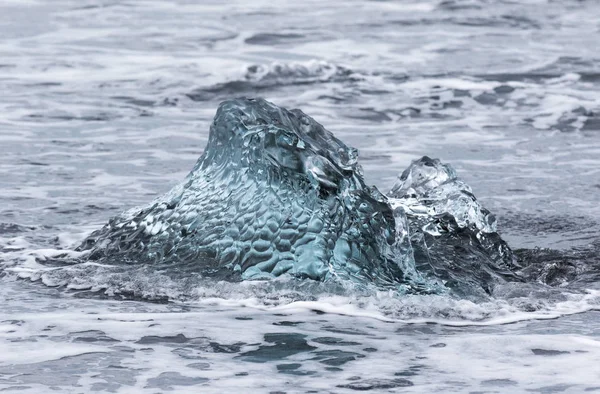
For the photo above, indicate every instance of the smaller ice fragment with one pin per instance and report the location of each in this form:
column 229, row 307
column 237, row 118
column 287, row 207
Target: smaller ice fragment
column 430, row 190
column 453, row 236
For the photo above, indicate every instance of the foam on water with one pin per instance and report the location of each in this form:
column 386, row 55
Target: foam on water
column 511, row 302
column 218, row 345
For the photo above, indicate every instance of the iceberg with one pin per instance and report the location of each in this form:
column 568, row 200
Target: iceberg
column 276, row 193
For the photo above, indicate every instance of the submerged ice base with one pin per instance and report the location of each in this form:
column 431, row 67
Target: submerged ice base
column 276, row 193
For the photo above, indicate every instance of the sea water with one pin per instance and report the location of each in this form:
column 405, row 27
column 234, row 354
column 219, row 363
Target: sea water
column 106, row 105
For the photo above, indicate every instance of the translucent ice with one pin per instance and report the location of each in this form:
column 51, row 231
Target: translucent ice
column 430, row 192
column 453, row 236
column 275, row 193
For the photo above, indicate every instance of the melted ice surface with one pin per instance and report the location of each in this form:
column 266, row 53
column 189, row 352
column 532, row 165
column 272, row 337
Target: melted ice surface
column 429, row 190
column 276, row 194
column 107, row 105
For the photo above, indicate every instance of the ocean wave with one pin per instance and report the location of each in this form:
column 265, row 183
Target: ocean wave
column 543, row 101
column 257, row 77
column 511, row 302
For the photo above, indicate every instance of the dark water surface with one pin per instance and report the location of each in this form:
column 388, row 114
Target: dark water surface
column 106, row 105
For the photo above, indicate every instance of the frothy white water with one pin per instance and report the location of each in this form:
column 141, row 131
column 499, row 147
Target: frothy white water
column 512, row 302
column 60, row 331
column 216, row 345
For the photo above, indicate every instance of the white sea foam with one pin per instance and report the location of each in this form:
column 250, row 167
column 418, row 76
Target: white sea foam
column 292, row 296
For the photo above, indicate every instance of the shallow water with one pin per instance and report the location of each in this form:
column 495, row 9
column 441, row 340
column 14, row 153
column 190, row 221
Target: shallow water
column 106, row 105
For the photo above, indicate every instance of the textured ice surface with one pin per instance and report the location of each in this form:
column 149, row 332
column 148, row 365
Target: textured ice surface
column 453, row 236
column 275, row 193
column 430, row 191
